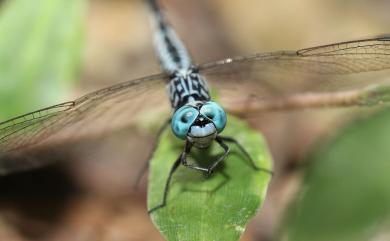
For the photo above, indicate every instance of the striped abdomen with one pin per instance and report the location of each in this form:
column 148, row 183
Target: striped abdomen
column 185, row 85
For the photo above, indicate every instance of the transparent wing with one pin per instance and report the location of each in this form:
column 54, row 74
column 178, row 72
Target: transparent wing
column 102, row 111
column 266, row 77
column 277, row 76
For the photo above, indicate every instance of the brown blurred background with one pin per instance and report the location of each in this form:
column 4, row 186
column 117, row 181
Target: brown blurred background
column 91, row 196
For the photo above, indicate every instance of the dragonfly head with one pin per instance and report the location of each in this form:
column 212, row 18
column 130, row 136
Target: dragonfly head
column 199, row 122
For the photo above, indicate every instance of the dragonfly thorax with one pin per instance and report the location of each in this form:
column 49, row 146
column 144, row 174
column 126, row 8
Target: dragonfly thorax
column 199, row 122
column 187, row 86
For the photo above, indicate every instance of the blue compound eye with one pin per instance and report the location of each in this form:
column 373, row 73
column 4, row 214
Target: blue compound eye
column 182, row 120
column 215, row 113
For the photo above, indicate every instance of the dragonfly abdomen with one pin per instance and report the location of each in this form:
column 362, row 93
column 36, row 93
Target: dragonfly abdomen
column 186, row 84
column 172, row 54
column 187, row 87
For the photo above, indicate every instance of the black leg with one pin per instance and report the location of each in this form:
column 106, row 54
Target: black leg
column 167, row 183
column 242, row 149
column 210, row 169
column 187, row 150
column 221, row 158
column 145, row 165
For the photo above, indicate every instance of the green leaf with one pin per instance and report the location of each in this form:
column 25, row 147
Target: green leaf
column 215, row 207
column 40, row 52
column 346, row 192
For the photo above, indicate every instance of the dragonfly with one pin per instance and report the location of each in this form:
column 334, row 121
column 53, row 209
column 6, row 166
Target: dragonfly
column 336, row 74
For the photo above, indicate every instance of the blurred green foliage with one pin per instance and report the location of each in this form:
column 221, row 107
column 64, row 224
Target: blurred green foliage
column 40, row 52
column 346, row 193
column 215, row 207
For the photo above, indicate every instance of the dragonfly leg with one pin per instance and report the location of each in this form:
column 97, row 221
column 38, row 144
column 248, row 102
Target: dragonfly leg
column 221, row 158
column 145, row 165
column 210, row 169
column 182, row 159
column 184, row 162
column 167, row 184
column 242, row 149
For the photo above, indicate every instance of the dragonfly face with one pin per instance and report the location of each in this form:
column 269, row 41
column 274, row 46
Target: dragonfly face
column 199, row 122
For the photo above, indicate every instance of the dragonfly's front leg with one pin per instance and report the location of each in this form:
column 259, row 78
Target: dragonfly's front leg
column 210, row 169
column 184, row 162
column 221, row 158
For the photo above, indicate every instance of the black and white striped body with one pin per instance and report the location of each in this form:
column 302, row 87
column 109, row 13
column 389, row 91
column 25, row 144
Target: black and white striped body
column 186, row 85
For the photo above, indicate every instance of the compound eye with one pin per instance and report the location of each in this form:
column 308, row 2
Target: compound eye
column 215, row 113
column 182, row 120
